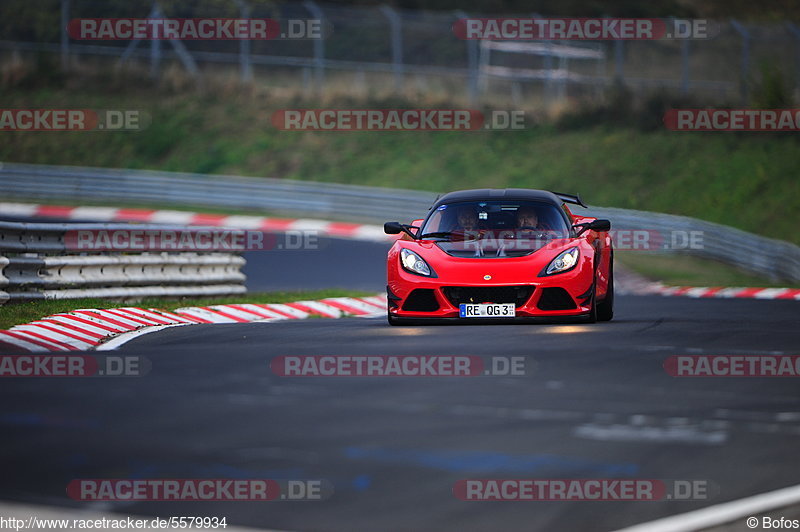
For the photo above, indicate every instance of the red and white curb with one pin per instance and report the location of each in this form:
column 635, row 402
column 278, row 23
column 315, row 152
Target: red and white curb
column 255, row 223
column 91, row 329
column 718, row 292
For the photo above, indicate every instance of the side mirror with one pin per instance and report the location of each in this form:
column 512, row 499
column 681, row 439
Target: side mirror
column 600, row 226
column 395, row 228
column 597, row 225
column 392, row 228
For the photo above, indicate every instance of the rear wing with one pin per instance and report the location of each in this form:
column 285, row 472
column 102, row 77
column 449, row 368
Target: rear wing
column 571, row 198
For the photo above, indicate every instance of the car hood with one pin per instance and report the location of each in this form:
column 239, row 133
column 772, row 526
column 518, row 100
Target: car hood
column 498, row 248
column 501, row 269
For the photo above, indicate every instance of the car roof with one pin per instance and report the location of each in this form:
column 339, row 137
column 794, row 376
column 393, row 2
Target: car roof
column 489, row 194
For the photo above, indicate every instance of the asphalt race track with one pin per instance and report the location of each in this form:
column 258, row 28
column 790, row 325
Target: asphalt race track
column 337, row 263
column 595, row 402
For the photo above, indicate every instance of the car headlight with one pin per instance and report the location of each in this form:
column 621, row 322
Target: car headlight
column 414, row 263
column 565, row 261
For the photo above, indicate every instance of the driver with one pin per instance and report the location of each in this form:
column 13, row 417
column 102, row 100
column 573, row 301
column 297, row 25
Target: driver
column 466, row 225
column 467, row 219
column 527, row 218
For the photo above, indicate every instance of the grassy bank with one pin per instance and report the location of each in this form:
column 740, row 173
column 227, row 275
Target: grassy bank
column 748, row 181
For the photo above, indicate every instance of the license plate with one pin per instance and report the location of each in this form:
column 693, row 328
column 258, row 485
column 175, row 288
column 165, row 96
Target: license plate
column 487, row 310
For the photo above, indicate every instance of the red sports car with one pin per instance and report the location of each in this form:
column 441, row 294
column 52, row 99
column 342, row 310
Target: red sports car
column 495, row 254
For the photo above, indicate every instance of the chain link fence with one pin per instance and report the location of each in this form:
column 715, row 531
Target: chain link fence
column 371, row 48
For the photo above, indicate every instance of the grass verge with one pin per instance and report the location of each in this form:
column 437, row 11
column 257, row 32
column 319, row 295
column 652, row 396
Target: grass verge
column 18, row 313
column 685, row 270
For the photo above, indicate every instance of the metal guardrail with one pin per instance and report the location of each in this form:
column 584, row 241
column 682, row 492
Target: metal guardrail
column 40, row 182
column 776, row 259
column 35, row 263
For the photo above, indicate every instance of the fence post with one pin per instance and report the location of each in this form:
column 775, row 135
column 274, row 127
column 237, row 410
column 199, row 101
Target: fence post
column 562, row 82
column 745, row 74
column 685, row 66
column 155, row 57
column 472, row 64
column 155, row 46
column 64, row 35
column 548, row 67
column 319, row 45
column 619, row 60
column 245, row 67
column 796, row 33
column 483, row 62
column 684, row 61
column 396, row 30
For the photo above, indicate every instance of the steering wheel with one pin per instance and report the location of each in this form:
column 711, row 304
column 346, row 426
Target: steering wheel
column 537, row 232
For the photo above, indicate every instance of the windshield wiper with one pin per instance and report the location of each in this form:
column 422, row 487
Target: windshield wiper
column 438, row 234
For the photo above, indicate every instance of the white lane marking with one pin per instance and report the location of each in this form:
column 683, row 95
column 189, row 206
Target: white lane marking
column 719, row 514
column 630, row 433
column 124, row 338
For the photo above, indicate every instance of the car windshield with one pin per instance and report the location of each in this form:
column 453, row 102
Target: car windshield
column 495, row 228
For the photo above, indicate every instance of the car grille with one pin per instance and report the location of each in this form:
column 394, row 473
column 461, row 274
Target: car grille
column 555, row 298
column 421, row 300
column 518, row 295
